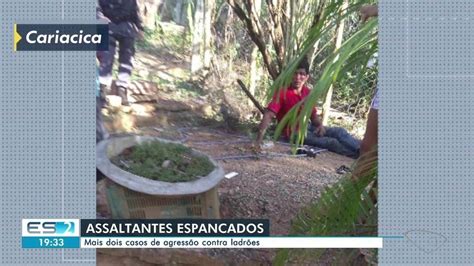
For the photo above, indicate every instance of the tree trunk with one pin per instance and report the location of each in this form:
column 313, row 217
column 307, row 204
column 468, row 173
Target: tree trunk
column 317, row 17
column 254, row 70
column 340, row 33
column 188, row 19
column 312, row 53
column 149, row 11
column 177, row 12
column 209, row 14
column 258, row 33
column 198, row 34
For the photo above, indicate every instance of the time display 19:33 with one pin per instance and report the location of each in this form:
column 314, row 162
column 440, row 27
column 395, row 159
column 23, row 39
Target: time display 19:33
column 51, row 242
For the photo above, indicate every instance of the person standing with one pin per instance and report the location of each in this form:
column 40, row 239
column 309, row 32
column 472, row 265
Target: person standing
column 125, row 26
column 370, row 140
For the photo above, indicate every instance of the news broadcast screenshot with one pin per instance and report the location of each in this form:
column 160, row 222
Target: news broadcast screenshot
column 236, row 132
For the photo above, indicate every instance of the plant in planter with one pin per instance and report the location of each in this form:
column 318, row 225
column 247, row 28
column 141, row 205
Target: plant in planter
column 151, row 178
column 167, row 162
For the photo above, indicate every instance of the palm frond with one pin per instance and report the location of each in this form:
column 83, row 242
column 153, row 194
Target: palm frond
column 347, row 208
column 328, row 21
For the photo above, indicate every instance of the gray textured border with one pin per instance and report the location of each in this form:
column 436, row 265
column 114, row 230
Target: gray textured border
column 425, row 132
column 48, row 99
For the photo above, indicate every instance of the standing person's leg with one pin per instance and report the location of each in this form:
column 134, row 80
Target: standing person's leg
column 368, row 152
column 106, row 62
column 126, row 53
column 345, row 139
column 101, row 132
column 371, row 133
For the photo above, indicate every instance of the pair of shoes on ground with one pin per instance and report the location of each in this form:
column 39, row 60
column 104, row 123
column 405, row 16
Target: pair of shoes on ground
column 343, row 169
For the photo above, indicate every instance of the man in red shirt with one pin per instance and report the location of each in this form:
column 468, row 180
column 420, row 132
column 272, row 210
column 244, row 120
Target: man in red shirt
column 335, row 139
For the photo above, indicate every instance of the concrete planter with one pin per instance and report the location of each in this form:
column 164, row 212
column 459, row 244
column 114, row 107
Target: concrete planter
column 132, row 196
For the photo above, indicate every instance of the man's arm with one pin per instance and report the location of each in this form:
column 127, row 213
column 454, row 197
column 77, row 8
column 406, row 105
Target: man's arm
column 262, row 128
column 100, row 15
column 136, row 18
column 319, row 128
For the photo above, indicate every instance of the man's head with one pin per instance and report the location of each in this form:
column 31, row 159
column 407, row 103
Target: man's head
column 301, row 74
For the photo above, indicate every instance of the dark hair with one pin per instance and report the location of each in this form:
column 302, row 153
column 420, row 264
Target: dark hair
column 304, row 64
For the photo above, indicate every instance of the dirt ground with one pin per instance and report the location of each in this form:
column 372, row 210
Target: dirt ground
column 273, row 188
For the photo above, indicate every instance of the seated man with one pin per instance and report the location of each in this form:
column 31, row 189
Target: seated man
column 335, row 139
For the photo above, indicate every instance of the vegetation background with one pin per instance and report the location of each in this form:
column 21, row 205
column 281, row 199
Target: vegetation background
column 212, row 43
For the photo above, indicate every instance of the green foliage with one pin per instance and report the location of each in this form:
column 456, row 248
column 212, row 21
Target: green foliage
column 353, row 93
column 168, row 42
column 168, row 36
column 348, row 208
column 309, row 34
column 355, row 87
column 340, row 60
column 189, row 90
column 166, row 162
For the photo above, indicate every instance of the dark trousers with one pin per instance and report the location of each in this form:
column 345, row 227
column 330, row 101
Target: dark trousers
column 126, row 51
column 336, row 139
